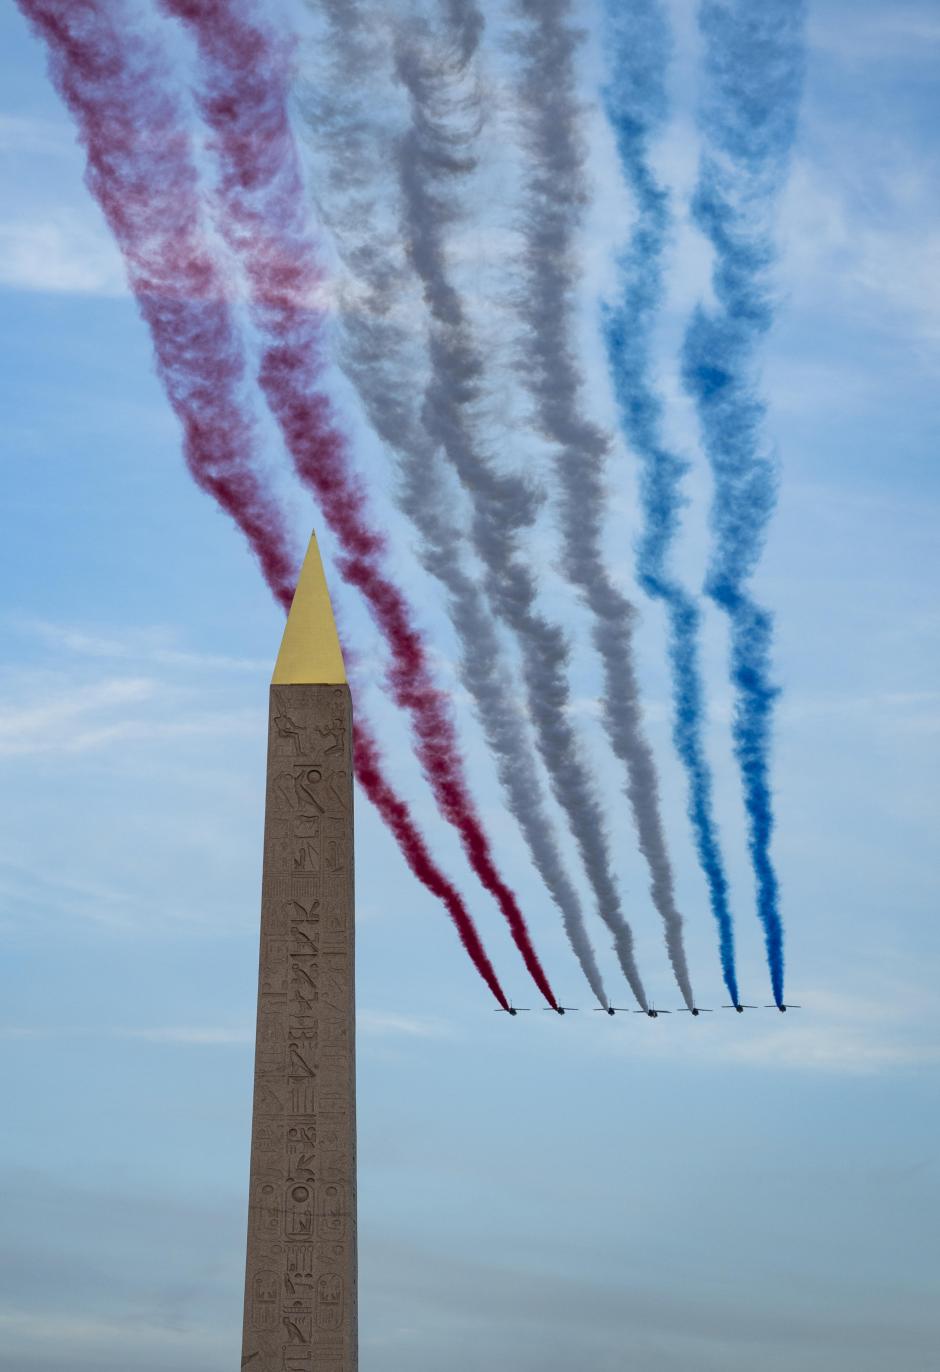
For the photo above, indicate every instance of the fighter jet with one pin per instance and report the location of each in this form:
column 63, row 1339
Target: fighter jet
column 512, row 1010
column 783, row 1008
column 559, row 1009
column 652, row 1013
column 694, row 1010
column 612, row 1010
column 740, row 1008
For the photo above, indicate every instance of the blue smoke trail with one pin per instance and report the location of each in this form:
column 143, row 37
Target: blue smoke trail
column 637, row 45
column 753, row 69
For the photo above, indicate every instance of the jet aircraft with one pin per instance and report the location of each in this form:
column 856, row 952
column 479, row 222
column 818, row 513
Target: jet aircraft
column 652, row 1013
column 559, row 1009
column 693, row 1010
column 512, row 1010
column 783, row 1008
column 611, row 1010
column 740, row 1008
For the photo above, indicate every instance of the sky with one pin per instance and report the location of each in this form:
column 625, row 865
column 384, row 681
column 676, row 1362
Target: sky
column 539, row 1193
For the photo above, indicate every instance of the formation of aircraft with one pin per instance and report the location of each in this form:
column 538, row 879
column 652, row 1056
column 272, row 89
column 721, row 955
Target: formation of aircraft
column 651, row 1012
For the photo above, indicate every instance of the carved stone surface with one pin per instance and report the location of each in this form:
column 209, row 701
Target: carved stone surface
column 300, row 1280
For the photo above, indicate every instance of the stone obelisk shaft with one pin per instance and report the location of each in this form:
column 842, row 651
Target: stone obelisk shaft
column 300, row 1286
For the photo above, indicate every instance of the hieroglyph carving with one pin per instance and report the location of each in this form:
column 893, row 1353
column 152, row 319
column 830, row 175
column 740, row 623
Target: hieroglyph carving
column 300, row 1287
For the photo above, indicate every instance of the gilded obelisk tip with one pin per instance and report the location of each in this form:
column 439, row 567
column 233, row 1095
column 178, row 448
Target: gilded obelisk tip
column 310, row 653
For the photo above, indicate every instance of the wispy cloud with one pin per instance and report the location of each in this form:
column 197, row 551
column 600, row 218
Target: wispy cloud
column 386, row 1024
column 375, row 1023
column 184, row 1036
column 61, row 253
column 872, row 1030
column 151, row 645
column 886, row 266
column 21, row 133
column 26, row 887
column 83, row 718
column 198, row 1038
column 887, row 33
column 54, row 707
column 74, row 1333
column 61, row 720
column 911, row 712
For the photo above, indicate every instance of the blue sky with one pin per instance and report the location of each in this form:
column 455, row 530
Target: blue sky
column 547, row 1194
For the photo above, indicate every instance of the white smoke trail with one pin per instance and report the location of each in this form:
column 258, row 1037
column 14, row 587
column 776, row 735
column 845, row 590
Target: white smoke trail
column 384, row 357
column 554, row 193
column 435, row 155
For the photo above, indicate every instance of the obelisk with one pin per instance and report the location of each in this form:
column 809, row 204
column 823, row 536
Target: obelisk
column 300, row 1281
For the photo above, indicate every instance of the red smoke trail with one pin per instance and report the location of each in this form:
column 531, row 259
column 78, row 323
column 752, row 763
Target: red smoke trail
column 398, row 818
column 264, row 219
column 140, row 174
column 140, row 170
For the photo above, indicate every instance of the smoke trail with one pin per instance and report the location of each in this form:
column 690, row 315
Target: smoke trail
column 554, row 195
column 148, row 192
column 140, row 170
column 637, row 44
column 380, row 356
column 435, row 153
column 399, row 819
column 753, row 66
column 245, row 77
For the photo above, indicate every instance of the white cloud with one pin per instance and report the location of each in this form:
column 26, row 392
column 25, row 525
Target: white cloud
column 59, row 252
column 375, row 1023
column 886, row 34
column 152, row 645
column 908, row 711
column 27, row 134
column 75, row 1333
column 847, row 1049
column 44, row 710
column 388, row 1023
column 87, row 719
column 877, row 1028
column 60, row 720
column 201, row 1038
column 886, row 267
column 197, row 1037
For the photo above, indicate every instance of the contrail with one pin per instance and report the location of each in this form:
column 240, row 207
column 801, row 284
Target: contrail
column 383, row 360
column 554, row 193
column 637, row 47
column 245, row 77
column 435, row 153
column 753, row 69
column 119, row 93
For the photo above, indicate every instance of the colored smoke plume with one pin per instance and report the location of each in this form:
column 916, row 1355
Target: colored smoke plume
column 383, row 353
column 245, row 75
column 436, row 152
column 754, row 59
column 637, row 43
column 554, row 195
column 141, row 172
column 399, row 819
